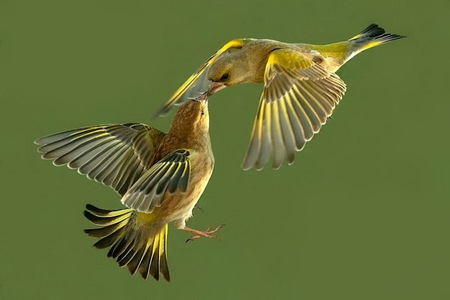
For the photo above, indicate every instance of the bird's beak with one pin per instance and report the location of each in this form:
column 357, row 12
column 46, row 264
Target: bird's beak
column 202, row 97
column 215, row 86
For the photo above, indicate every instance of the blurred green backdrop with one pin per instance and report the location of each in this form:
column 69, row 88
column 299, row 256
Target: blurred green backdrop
column 362, row 214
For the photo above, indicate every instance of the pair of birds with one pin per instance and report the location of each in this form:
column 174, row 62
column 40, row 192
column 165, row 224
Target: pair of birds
column 160, row 177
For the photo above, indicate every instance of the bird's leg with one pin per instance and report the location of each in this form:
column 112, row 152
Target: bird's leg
column 208, row 233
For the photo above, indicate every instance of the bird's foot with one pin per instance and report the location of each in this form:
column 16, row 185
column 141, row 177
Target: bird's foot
column 208, row 233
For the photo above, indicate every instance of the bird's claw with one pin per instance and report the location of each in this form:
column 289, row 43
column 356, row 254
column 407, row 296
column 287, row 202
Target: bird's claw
column 208, row 233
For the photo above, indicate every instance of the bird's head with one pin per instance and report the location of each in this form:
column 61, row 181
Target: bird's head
column 192, row 117
column 229, row 69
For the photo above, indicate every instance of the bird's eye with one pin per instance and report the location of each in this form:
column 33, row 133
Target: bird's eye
column 224, row 77
column 202, row 112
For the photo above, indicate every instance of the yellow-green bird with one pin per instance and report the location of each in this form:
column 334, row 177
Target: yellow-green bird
column 300, row 91
column 159, row 176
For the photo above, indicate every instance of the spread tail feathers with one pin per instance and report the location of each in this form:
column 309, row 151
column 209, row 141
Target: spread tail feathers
column 134, row 240
column 373, row 36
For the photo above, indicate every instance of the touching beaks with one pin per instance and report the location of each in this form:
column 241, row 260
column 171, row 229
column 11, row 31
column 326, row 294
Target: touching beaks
column 215, row 86
column 202, row 97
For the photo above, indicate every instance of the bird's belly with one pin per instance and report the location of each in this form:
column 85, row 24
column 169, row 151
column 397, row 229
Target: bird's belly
column 178, row 206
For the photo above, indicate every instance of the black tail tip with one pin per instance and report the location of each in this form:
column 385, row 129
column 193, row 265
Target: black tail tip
column 374, row 32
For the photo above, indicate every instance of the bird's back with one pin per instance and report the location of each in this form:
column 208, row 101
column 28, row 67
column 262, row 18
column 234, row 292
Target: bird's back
column 257, row 52
column 330, row 56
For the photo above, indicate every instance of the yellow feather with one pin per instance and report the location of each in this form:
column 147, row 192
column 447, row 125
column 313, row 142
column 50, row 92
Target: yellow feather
column 371, row 44
column 335, row 50
column 289, row 59
column 143, row 218
column 156, row 243
column 238, row 43
column 162, row 238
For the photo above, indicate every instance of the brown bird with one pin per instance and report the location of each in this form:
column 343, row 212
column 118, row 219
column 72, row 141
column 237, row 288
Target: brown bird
column 300, row 91
column 159, row 176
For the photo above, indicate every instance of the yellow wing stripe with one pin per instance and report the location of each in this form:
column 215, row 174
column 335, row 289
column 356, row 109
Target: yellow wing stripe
column 238, row 43
column 303, row 115
column 266, row 142
column 277, row 138
column 318, row 109
column 255, row 140
column 287, row 129
column 295, row 122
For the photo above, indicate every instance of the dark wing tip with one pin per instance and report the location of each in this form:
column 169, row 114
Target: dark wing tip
column 90, row 217
column 91, row 207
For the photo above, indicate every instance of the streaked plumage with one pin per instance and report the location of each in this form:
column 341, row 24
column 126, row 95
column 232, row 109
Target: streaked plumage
column 300, row 90
column 159, row 176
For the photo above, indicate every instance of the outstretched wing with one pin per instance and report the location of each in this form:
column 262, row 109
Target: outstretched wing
column 198, row 82
column 170, row 174
column 298, row 97
column 115, row 154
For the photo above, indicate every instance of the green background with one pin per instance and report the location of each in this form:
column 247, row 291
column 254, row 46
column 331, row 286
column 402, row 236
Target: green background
column 362, row 214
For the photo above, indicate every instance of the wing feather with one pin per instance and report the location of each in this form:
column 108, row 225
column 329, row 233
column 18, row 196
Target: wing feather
column 114, row 154
column 198, row 82
column 299, row 96
column 170, row 174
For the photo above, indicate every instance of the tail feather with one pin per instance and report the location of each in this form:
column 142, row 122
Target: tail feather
column 105, row 213
column 119, row 248
column 373, row 36
column 136, row 259
column 133, row 243
column 109, row 240
column 124, row 258
column 155, row 261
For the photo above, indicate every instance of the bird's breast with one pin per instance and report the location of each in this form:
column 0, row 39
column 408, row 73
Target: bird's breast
column 179, row 205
